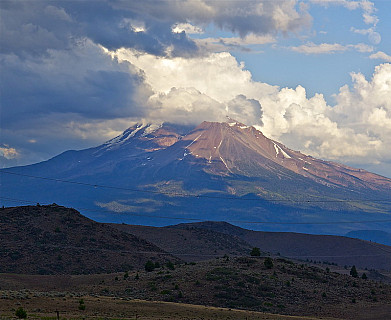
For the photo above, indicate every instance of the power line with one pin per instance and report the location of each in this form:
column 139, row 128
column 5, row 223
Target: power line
column 199, row 219
column 188, row 195
column 236, row 255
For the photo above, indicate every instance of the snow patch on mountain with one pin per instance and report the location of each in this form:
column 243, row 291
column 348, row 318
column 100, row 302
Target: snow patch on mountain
column 126, row 135
column 151, row 128
column 279, row 149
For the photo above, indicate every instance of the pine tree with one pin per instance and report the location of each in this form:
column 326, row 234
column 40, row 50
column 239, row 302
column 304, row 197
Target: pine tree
column 255, row 252
column 353, row 272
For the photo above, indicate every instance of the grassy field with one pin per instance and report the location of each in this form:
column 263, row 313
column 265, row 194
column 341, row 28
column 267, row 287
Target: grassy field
column 227, row 286
column 107, row 308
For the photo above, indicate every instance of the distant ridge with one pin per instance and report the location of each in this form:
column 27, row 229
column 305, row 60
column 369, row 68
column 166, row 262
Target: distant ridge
column 341, row 250
column 372, row 235
column 205, row 240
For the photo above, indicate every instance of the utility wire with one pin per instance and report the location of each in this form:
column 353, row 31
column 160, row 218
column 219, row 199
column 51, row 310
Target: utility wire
column 199, row 219
column 238, row 255
column 188, row 195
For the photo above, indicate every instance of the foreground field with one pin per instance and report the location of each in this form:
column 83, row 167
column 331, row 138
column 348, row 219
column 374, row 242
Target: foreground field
column 109, row 308
column 281, row 288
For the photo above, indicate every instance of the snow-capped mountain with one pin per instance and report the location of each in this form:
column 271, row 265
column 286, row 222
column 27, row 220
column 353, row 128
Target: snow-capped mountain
column 215, row 171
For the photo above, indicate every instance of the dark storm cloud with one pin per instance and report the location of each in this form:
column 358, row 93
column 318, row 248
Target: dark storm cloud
column 240, row 16
column 261, row 17
column 33, row 27
column 82, row 81
column 56, row 79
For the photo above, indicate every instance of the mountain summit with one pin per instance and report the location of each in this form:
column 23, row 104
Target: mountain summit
column 215, row 171
column 234, row 148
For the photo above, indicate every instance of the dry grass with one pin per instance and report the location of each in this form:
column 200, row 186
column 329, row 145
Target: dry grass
column 237, row 283
column 108, row 308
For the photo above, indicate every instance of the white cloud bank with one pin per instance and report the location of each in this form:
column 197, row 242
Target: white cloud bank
column 356, row 130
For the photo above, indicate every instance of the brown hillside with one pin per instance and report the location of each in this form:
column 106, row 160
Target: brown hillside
column 57, row 240
column 243, row 283
column 189, row 244
column 337, row 249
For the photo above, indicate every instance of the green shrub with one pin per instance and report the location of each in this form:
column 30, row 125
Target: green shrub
column 255, row 252
column 170, row 265
column 165, row 291
column 353, row 272
column 21, row 313
column 268, row 263
column 149, row 266
column 82, row 306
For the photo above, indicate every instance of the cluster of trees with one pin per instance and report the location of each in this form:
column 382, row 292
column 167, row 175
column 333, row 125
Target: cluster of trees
column 256, row 252
column 268, row 262
column 150, row 265
column 354, row 273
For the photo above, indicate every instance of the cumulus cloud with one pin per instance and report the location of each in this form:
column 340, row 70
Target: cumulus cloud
column 367, row 98
column 330, row 48
column 8, row 156
column 62, row 85
column 367, row 7
column 312, row 48
column 186, row 27
column 356, row 129
column 305, row 123
column 8, row 152
column 381, row 56
column 245, row 110
column 233, row 43
column 368, row 14
column 82, row 74
column 186, row 106
column 218, row 75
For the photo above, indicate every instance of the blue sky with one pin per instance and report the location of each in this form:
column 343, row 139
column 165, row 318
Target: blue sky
column 321, row 73
column 313, row 74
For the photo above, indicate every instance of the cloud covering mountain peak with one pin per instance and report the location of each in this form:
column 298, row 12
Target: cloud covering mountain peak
column 80, row 73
